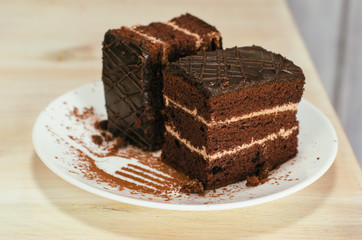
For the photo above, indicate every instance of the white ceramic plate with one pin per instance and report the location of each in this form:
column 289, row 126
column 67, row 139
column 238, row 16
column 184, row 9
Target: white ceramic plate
column 57, row 122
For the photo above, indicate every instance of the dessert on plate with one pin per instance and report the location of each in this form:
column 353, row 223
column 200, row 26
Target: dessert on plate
column 220, row 116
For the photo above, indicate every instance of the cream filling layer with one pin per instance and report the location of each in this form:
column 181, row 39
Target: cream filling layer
column 277, row 109
column 187, row 32
column 210, row 157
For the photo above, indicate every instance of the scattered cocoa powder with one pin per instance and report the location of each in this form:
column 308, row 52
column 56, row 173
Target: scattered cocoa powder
column 87, row 113
column 144, row 181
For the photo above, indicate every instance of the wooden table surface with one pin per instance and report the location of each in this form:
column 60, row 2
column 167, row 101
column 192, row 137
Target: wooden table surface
column 50, row 47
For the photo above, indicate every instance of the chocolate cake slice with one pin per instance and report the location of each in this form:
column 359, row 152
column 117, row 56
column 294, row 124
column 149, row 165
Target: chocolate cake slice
column 133, row 60
column 231, row 114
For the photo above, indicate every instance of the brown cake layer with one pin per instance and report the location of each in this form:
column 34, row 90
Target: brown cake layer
column 133, row 61
column 182, row 44
column 230, row 168
column 219, row 107
column 209, row 39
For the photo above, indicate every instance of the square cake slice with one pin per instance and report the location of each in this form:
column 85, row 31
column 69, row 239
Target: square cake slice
column 133, row 61
column 231, row 114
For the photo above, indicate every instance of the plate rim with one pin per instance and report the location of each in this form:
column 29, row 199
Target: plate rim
column 182, row 207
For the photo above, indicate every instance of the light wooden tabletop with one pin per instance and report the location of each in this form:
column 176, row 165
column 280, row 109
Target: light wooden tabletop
column 50, row 47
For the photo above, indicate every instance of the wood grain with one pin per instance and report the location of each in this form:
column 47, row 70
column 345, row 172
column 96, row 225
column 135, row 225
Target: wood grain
column 50, row 47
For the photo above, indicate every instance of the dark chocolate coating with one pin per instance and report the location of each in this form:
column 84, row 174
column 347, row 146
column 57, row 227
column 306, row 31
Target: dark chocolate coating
column 226, row 70
column 126, row 83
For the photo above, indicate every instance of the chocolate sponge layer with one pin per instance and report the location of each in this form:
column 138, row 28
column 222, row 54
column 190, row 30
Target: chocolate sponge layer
column 233, row 102
column 231, row 168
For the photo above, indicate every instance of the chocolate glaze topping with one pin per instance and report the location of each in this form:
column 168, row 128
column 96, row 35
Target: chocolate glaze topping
column 221, row 71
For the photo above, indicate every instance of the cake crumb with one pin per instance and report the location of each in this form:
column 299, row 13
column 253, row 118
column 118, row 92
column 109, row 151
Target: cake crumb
column 252, row 181
column 194, row 186
column 101, row 125
column 97, row 139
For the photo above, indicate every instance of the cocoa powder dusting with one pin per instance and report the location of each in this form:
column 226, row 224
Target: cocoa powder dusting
column 86, row 113
column 143, row 180
column 148, row 174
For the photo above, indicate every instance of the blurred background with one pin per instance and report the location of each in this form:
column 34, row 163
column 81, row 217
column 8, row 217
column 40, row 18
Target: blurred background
column 332, row 31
